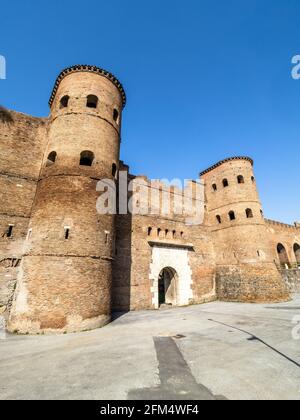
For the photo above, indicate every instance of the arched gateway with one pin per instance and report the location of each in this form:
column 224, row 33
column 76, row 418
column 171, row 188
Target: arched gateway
column 170, row 275
column 168, row 287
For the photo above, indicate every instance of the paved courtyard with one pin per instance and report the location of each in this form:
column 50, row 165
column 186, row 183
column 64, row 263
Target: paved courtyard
column 212, row 351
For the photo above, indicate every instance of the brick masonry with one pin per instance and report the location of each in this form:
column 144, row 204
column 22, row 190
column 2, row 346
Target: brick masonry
column 53, row 283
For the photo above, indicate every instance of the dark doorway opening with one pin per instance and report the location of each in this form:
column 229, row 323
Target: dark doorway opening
column 167, row 287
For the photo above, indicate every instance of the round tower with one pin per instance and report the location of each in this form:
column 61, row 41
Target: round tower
column 245, row 267
column 66, row 274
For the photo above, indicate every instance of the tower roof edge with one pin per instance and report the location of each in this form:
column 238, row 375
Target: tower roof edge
column 221, row 162
column 89, row 69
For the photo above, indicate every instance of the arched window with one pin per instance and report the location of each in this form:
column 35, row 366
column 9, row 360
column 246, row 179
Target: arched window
column 166, row 233
column 219, row 220
column 114, row 170
column 116, row 115
column 149, row 231
column 225, row 183
column 231, row 215
column 64, row 102
column 249, row 214
column 297, row 252
column 253, row 179
column 86, row 158
column 51, row 159
column 282, row 255
column 174, row 234
column 262, row 213
column 158, row 232
column 92, row 101
column 241, row 179
column 214, row 187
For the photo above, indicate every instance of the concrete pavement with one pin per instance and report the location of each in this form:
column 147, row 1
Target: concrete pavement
column 212, row 351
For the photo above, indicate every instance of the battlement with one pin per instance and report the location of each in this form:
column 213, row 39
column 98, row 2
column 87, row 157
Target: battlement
column 225, row 161
column 282, row 225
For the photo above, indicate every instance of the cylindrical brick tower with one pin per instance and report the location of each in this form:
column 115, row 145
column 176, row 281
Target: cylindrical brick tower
column 246, row 271
column 66, row 273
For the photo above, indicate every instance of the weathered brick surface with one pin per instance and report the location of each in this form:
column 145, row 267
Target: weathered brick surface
column 246, row 269
column 65, row 283
column 50, row 283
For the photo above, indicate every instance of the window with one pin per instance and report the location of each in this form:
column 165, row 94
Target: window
column 51, row 159
column 240, row 179
column 253, row 179
column 166, row 233
column 86, row 158
column 64, row 102
column 262, row 213
column 182, row 234
column 106, row 237
column 174, row 234
column 114, row 169
column 29, row 234
column 225, row 183
column 92, row 101
column 214, row 187
column 231, row 215
column 159, row 232
column 219, row 220
column 249, row 214
column 67, row 233
column 149, row 231
column 9, row 232
column 116, row 115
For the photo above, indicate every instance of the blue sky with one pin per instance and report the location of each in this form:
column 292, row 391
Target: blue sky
column 205, row 80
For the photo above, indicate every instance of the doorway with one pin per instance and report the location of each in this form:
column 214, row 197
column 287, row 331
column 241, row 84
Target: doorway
column 168, row 287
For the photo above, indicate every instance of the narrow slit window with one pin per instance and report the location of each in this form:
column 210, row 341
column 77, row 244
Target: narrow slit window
column 116, row 115
column 114, row 170
column 219, row 220
column 225, row 183
column 10, row 229
column 106, row 237
column 214, row 187
column 231, row 215
column 67, row 233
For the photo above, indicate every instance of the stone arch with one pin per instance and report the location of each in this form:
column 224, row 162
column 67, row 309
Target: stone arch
column 297, row 252
column 168, row 287
column 175, row 259
column 282, row 255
